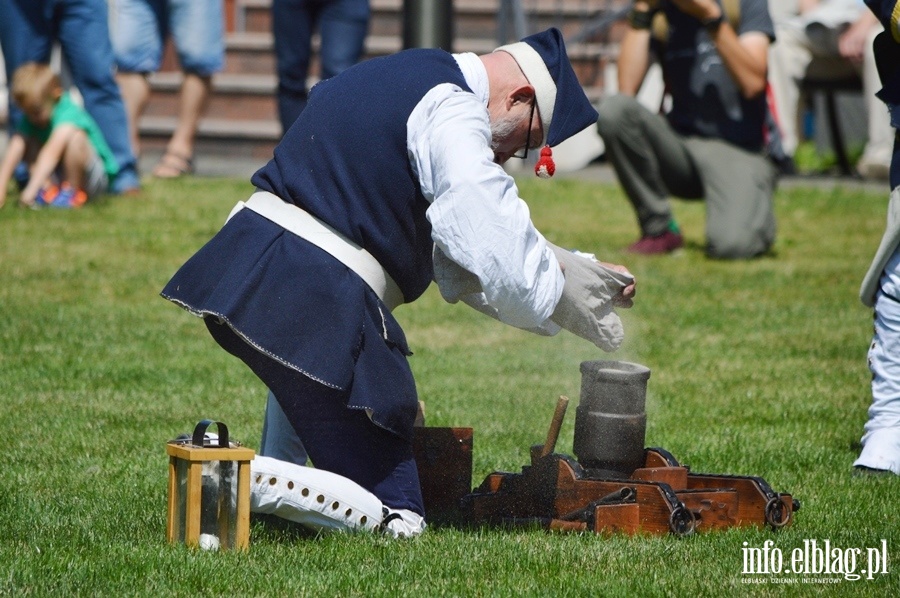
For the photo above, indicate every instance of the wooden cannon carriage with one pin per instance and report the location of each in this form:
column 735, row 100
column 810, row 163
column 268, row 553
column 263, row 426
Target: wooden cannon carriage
column 556, row 492
column 615, row 485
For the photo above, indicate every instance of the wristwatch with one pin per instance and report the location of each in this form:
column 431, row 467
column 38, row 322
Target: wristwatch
column 713, row 24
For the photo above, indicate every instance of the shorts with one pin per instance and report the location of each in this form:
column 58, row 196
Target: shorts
column 139, row 29
column 96, row 179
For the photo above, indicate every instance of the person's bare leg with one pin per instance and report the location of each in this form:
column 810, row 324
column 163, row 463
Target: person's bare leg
column 75, row 160
column 135, row 91
column 180, row 150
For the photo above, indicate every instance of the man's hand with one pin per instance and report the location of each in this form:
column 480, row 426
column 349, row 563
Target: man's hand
column 852, row 42
column 699, row 9
column 626, row 297
column 645, row 5
column 27, row 197
column 745, row 56
column 591, row 291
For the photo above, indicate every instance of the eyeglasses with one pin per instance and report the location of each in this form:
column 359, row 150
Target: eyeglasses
column 528, row 139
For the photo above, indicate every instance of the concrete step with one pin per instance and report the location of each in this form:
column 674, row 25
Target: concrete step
column 253, row 15
column 250, row 52
column 253, row 53
column 239, row 147
column 234, row 96
column 253, row 140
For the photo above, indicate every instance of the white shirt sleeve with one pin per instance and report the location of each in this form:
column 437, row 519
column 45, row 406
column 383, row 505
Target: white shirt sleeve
column 478, row 220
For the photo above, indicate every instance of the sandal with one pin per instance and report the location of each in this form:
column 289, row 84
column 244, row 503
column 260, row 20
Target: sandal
column 173, row 165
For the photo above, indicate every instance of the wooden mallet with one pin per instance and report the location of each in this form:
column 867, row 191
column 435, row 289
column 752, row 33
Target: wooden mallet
column 553, row 433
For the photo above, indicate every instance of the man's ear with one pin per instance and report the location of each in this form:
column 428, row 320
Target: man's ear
column 56, row 93
column 523, row 94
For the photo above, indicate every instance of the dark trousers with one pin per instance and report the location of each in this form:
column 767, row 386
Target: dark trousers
column 338, row 439
column 342, row 26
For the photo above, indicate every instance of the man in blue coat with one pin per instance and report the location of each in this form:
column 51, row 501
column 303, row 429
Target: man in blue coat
column 390, row 178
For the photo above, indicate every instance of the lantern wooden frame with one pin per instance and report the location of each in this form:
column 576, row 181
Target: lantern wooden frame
column 194, row 452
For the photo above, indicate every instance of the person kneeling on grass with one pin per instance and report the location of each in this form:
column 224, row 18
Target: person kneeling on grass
column 390, row 178
column 67, row 158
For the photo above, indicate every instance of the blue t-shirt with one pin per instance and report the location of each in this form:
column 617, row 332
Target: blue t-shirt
column 706, row 101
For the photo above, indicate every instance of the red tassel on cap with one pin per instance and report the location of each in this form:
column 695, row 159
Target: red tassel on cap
column 545, row 166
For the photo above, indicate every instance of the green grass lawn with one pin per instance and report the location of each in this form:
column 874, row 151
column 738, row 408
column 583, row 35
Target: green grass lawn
column 758, row 368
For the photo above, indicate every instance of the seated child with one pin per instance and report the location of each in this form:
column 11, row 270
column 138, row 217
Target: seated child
column 67, row 157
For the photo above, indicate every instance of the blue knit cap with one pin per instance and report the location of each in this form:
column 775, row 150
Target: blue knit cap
column 564, row 108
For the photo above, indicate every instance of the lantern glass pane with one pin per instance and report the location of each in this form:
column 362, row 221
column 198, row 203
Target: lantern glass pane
column 181, row 479
column 218, row 504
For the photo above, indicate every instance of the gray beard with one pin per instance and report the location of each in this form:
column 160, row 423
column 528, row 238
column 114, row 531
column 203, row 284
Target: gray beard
column 502, row 129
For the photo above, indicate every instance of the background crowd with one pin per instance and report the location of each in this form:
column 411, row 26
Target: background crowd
column 820, row 40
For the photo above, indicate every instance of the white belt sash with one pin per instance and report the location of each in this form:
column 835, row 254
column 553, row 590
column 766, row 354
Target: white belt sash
column 306, row 226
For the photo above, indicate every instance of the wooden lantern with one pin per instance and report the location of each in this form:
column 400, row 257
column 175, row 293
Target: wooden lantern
column 209, row 490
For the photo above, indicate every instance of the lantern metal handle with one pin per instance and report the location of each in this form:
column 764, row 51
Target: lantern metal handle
column 200, row 432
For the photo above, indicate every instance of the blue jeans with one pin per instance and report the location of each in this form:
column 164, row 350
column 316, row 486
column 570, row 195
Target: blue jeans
column 279, row 440
column 140, row 28
column 28, row 29
column 342, row 24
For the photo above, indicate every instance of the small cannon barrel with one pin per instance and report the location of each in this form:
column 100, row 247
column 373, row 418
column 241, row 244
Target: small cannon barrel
column 610, row 420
